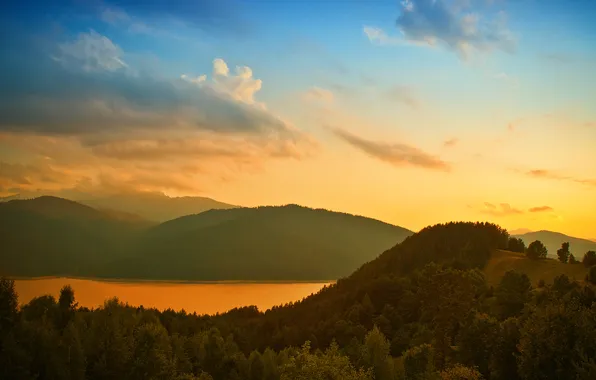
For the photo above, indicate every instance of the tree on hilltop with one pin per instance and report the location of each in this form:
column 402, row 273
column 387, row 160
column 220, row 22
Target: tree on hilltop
column 536, row 250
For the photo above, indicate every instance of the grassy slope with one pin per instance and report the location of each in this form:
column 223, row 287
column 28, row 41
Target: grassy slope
column 503, row 261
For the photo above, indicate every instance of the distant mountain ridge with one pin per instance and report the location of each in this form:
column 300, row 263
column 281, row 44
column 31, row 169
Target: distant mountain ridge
column 156, row 206
column 151, row 206
column 54, row 236
column 553, row 240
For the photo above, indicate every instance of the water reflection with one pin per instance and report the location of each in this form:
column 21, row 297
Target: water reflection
column 203, row 298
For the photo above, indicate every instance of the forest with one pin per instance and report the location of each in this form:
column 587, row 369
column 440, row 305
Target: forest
column 421, row 310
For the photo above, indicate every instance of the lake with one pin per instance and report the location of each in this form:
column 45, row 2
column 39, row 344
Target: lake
column 202, row 298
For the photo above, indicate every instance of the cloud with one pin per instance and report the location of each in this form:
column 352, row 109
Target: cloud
column 549, row 174
column 197, row 147
column 451, row 142
column 25, row 175
column 378, row 36
column 503, row 209
column 506, row 78
column 558, row 58
column 114, row 16
column 92, row 52
column 405, row 95
column 435, row 21
column 317, row 94
column 540, row 209
column 241, row 86
column 103, row 96
column 81, row 111
column 395, row 154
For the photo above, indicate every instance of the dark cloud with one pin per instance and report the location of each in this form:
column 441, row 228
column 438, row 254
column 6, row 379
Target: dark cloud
column 549, row 174
column 436, row 21
column 540, row 209
column 503, row 209
column 395, row 154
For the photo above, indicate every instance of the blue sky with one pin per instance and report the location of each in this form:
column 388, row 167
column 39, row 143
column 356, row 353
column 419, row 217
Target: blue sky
column 334, row 104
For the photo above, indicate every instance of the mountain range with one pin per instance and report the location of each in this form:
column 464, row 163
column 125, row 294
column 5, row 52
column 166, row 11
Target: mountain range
column 152, row 206
column 54, row 236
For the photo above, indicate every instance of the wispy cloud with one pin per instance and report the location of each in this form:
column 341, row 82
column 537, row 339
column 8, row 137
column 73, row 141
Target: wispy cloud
column 396, row 154
column 378, row 36
column 450, row 142
column 502, row 209
column 558, row 58
column 506, row 78
column 540, row 209
column 549, row 174
column 405, row 95
column 317, row 94
column 464, row 31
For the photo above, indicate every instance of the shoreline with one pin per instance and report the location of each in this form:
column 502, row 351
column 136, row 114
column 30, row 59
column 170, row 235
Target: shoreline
column 167, row 281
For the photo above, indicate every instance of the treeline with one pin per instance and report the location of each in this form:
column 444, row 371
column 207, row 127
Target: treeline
column 537, row 250
column 439, row 321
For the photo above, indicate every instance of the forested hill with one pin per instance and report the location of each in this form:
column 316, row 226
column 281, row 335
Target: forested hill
column 264, row 243
column 54, row 236
column 422, row 310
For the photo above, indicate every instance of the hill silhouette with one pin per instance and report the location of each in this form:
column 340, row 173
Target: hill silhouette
column 553, row 240
column 264, row 243
column 54, row 236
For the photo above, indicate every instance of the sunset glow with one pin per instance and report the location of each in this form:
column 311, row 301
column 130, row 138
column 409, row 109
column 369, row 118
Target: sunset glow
column 372, row 108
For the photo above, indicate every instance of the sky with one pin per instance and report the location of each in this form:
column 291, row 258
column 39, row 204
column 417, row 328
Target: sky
column 415, row 112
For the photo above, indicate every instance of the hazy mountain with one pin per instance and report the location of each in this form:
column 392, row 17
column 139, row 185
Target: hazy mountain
column 55, row 236
column 156, row 206
column 265, row 243
column 519, row 231
column 152, row 206
column 553, row 240
column 52, row 236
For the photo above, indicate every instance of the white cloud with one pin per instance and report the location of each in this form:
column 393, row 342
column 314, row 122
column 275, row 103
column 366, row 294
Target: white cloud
column 240, row 86
column 378, row 36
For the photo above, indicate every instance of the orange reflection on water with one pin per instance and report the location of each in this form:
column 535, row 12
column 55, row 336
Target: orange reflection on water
column 202, row 298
